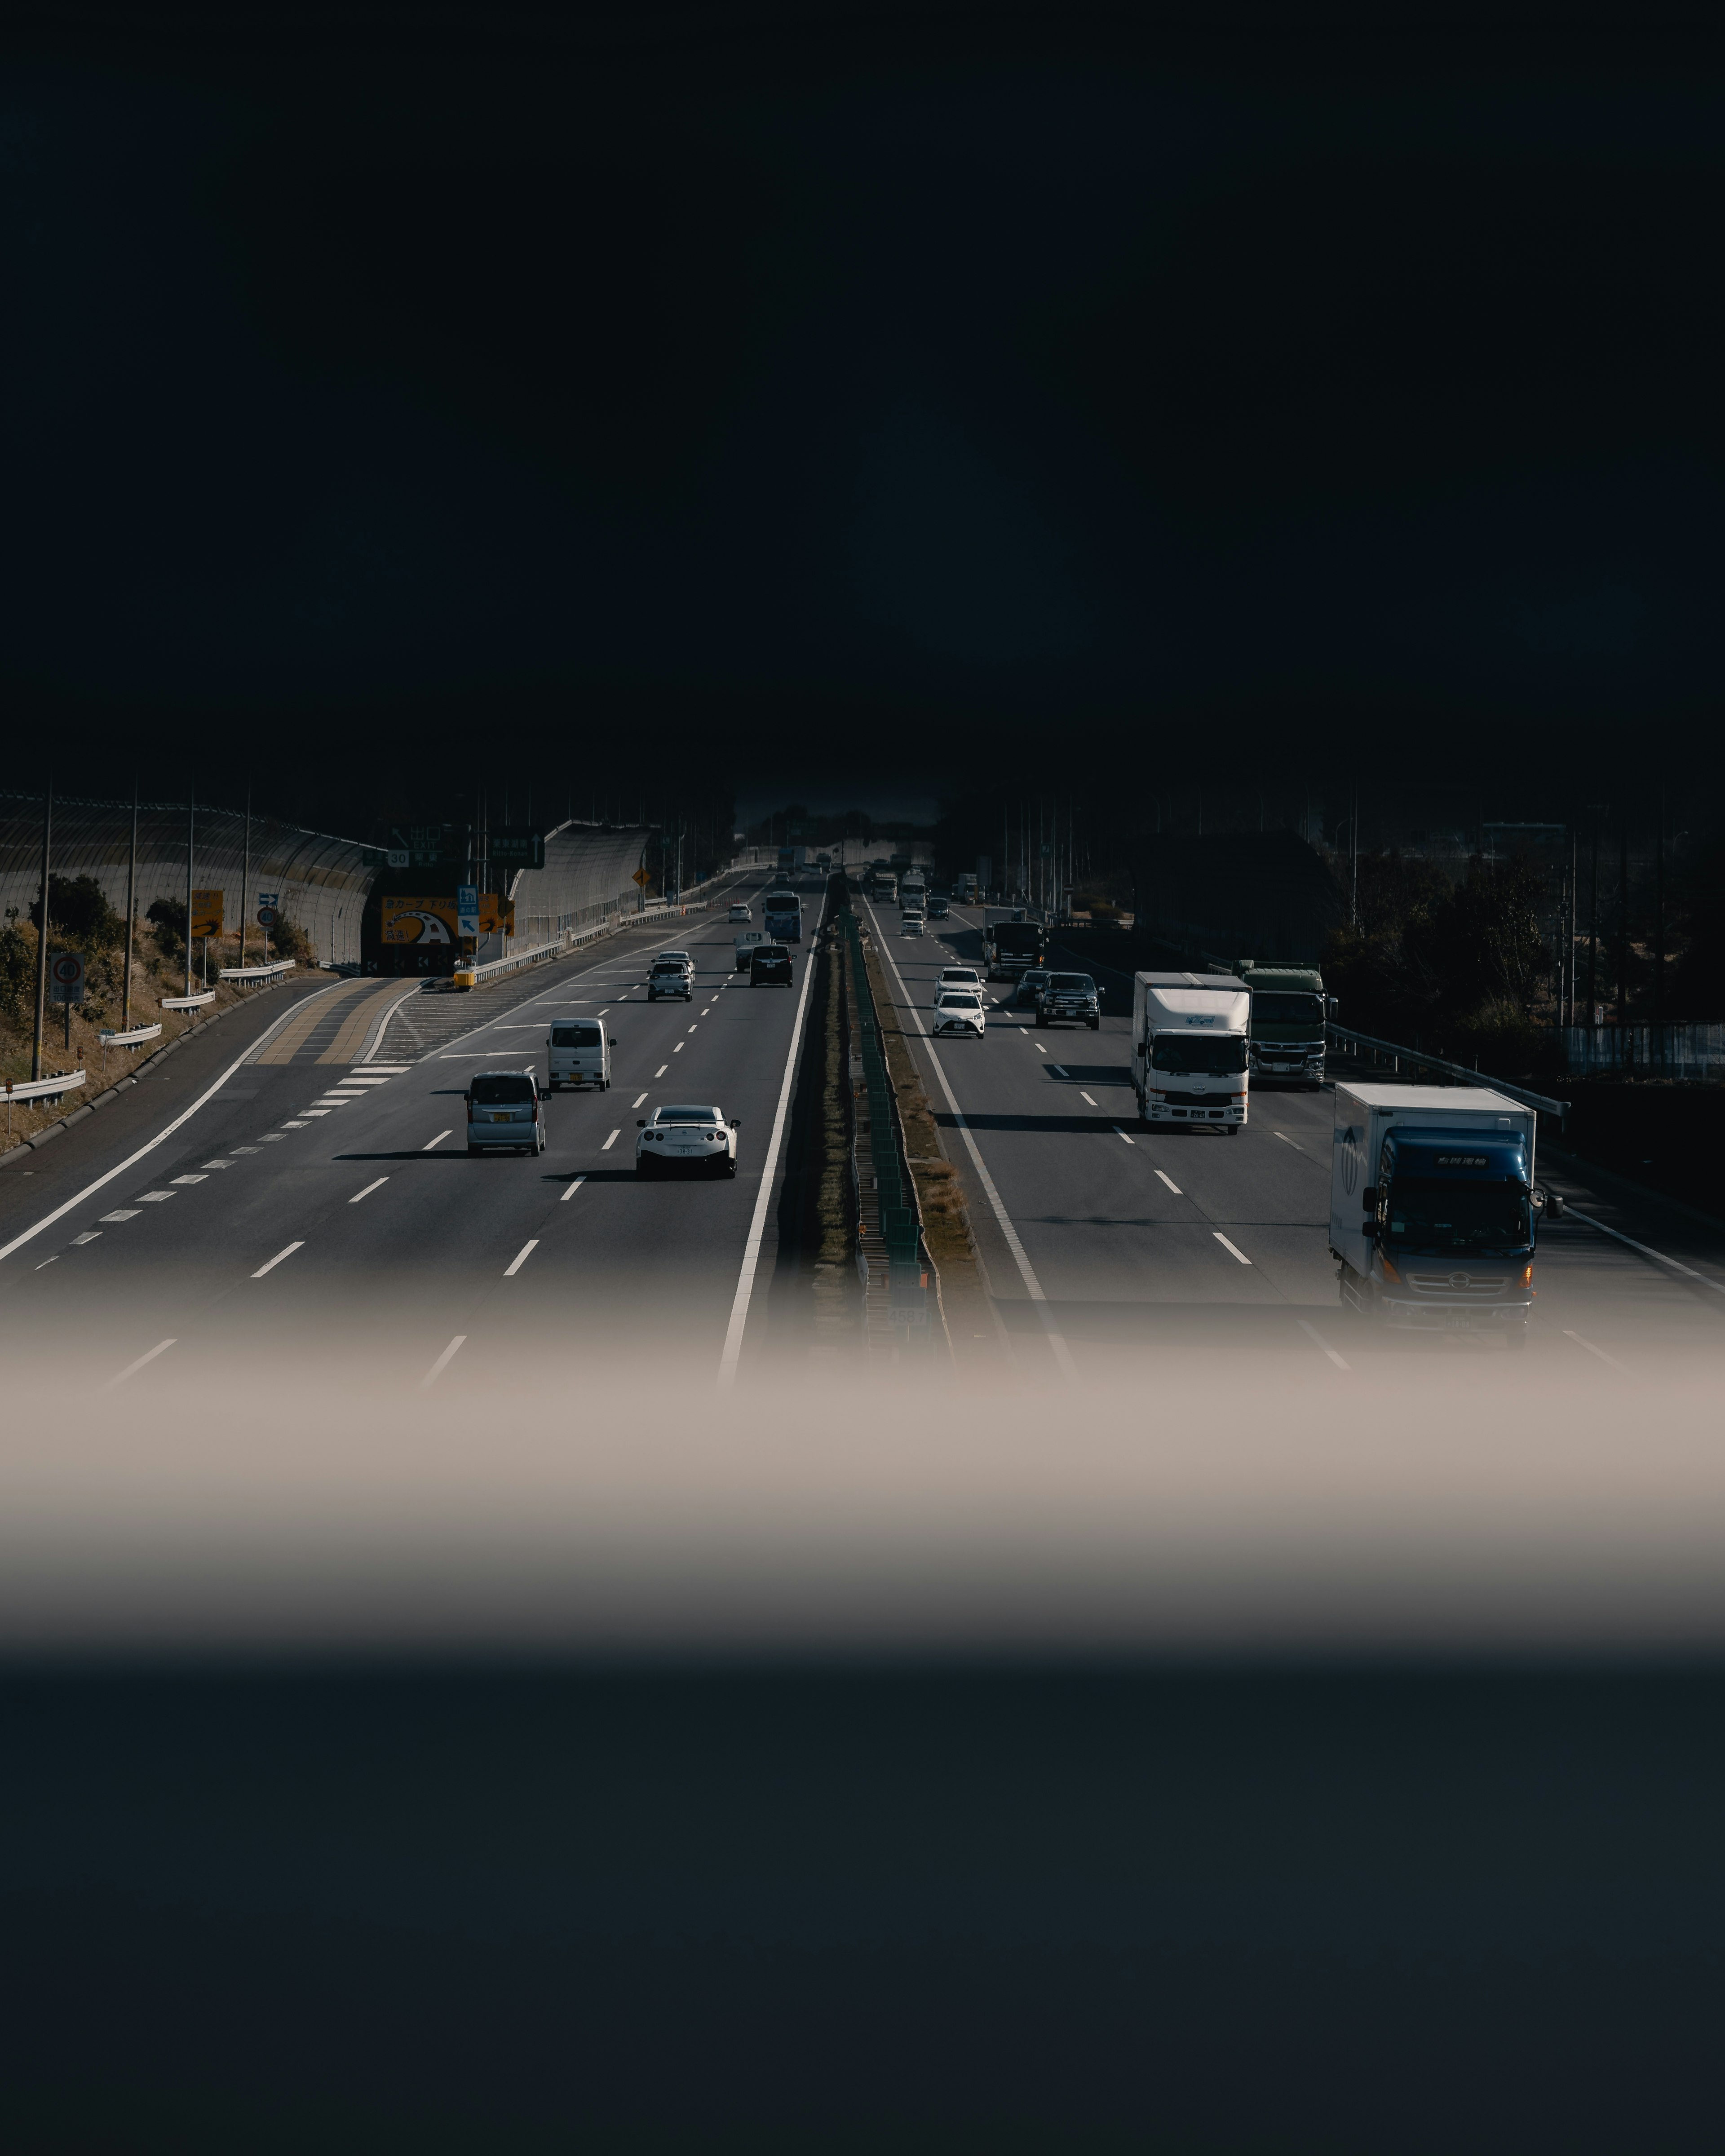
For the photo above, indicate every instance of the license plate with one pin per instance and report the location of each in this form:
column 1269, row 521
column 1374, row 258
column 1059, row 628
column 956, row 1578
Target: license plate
column 503, row 1119
column 1455, row 1321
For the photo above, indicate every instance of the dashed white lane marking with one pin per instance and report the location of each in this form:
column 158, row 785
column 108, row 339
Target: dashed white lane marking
column 1039, row 1048
column 1120, row 1133
column 520, row 1258
column 278, row 1258
column 155, row 1197
column 1318, row 1340
column 179, row 1179
column 637, row 1100
column 1286, row 1140
column 1058, row 1069
column 601, row 1014
column 1231, row 1249
column 89, row 1235
column 442, row 1362
column 368, row 1189
column 306, row 1111
column 692, row 1027
column 1085, row 1097
column 1162, row 1178
column 659, row 1073
column 122, row 1214
column 1622, row 1367
column 572, row 1189
column 131, row 1370
column 610, row 1142
column 437, row 1141
column 677, row 1049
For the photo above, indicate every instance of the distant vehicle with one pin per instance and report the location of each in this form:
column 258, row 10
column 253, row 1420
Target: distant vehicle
column 964, row 889
column 750, row 940
column 823, row 862
column 687, row 1140
column 1289, row 1011
column 769, row 962
column 1189, row 1059
column 503, row 1112
column 886, row 885
column 1011, row 942
column 938, row 909
column 580, row 1052
column 1066, row 999
column 960, row 1010
column 913, row 889
column 959, row 977
column 787, row 859
column 910, row 924
column 782, row 914
column 1433, row 1208
column 672, row 973
column 1027, row 993
column 739, row 912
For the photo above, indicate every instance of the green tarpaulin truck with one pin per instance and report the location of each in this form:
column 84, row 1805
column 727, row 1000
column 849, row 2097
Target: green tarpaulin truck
column 1289, row 1008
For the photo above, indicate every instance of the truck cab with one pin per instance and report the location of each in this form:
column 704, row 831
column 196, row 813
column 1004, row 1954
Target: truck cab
column 1434, row 1211
column 1289, row 1012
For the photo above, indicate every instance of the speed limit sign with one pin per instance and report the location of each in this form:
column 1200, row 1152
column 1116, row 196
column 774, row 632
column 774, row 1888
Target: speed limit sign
column 267, row 917
column 65, row 977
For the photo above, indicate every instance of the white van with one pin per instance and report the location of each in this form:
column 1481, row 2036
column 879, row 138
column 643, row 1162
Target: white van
column 580, row 1052
column 745, row 946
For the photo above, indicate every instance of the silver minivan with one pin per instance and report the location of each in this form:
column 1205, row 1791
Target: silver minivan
column 580, row 1052
column 503, row 1112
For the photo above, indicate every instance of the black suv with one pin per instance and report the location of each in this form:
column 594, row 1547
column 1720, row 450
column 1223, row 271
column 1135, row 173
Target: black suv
column 769, row 962
column 1071, row 998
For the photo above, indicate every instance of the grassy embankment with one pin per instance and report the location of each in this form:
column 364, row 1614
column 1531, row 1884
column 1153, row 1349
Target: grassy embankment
column 158, row 970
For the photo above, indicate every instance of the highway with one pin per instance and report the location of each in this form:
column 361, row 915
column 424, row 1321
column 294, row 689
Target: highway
column 319, row 1196
column 1103, row 1238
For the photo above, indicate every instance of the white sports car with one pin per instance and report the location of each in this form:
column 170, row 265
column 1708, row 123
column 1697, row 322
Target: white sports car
column 960, row 1010
column 693, row 1140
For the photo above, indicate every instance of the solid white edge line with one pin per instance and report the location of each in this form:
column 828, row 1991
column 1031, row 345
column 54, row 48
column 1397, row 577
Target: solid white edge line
column 1570, row 1213
column 376, row 1039
column 442, row 1363
column 278, row 1258
column 739, row 1301
column 1315, row 1335
column 131, row 1370
column 521, row 1258
column 1622, row 1368
column 1232, row 1251
column 572, row 1190
column 1169, row 1181
column 167, row 1130
column 1027, row 1271
column 368, row 1189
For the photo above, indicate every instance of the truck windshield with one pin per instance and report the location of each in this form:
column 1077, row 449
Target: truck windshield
column 1211, row 1054
column 1017, row 939
column 1285, row 1007
column 1441, row 1215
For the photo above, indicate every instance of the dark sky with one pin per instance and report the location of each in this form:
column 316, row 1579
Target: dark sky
column 1018, row 372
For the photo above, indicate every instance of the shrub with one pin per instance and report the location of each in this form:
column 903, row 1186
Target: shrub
column 17, row 973
column 288, row 940
column 167, row 916
column 78, row 914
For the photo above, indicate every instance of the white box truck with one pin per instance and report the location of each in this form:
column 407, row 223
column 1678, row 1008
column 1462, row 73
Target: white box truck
column 1190, row 1035
column 1433, row 1208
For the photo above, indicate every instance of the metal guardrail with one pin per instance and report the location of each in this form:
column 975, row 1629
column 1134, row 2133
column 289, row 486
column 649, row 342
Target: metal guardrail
column 138, row 1034
column 273, row 971
column 883, row 1184
column 1402, row 1054
column 43, row 1088
column 494, row 969
column 188, row 1003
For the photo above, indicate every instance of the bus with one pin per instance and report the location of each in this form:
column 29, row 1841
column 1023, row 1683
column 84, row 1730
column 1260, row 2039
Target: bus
column 782, row 914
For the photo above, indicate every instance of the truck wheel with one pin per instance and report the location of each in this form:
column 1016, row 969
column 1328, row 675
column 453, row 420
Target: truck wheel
column 1232, row 1129
column 1095, row 1026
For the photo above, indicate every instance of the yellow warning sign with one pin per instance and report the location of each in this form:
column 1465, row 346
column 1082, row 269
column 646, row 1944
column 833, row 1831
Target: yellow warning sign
column 643, row 877
column 429, row 921
column 206, row 913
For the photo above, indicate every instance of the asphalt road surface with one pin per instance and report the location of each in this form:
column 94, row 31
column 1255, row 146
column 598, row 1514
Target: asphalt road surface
column 316, row 1195
column 1102, row 1238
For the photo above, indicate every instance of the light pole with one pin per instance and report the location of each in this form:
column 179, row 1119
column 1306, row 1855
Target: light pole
column 42, row 936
